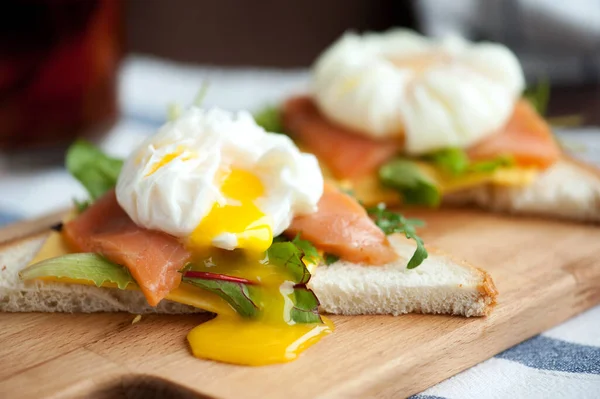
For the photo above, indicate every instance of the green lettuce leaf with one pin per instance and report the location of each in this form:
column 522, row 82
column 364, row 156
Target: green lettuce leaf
column 391, row 222
column 96, row 171
column 85, row 266
column 415, row 186
column 269, row 118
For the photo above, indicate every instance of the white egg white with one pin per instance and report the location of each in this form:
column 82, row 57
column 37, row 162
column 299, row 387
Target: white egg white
column 175, row 197
column 437, row 93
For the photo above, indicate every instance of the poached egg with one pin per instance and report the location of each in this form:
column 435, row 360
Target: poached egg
column 434, row 93
column 216, row 179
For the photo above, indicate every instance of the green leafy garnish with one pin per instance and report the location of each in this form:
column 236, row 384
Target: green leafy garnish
column 330, row 258
column 491, row 165
column 451, row 160
column 391, row 222
column 415, row 186
column 289, row 256
column 96, row 171
column 84, row 266
column 238, row 295
column 306, row 306
column 81, row 205
column 456, row 162
column 269, row 118
column 539, row 95
column 310, row 252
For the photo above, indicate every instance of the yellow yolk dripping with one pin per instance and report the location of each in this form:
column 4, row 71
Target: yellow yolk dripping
column 239, row 216
column 271, row 335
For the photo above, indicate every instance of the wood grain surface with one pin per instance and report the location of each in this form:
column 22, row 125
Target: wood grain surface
column 546, row 272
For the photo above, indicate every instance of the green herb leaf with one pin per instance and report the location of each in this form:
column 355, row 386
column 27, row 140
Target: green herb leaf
column 81, row 205
column 539, row 95
column 491, row 165
column 451, row 160
column 306, row 306
column 95, row 170
column 239, row 295
column 289, row 256
column 269, row 118
column 455, row 161
column 310, row 252
column 330, row 259
column 391, row 222
column 415, row 186
column 84, row 266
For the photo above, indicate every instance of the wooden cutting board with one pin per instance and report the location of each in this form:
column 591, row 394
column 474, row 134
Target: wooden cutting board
column 546, row 272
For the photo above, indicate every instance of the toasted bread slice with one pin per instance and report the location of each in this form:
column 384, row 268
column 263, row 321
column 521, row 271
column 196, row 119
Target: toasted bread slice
column 439, row 285
column 569, row 189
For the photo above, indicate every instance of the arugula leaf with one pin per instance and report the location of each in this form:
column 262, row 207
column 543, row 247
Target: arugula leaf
column 330, row 259
column 391, row 222
column 539, row 95
column 96, row 171
column 83, row 266
column 238, row 295
column 269, row 118
column 289, row 256
column 415, row 186
column 306, row 306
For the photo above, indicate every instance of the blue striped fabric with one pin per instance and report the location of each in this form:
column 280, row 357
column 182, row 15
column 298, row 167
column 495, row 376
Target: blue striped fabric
column 8, row 217
column 552, row 354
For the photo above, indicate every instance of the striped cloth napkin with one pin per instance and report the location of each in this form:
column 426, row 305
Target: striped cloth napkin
column 563, row 362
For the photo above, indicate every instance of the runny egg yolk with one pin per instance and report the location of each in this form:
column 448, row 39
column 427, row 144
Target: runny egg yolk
column 270, row 334
column 239, row 216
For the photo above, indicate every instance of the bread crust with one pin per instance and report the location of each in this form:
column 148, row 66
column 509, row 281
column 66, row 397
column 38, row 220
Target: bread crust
column 487, row 287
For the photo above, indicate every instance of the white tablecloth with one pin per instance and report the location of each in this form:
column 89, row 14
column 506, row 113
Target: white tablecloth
column 563, row 362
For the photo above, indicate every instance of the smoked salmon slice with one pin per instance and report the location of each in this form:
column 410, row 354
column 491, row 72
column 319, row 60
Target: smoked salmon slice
column 342, row 227
column 526, row 137
column 153, row 258
column 348, row 155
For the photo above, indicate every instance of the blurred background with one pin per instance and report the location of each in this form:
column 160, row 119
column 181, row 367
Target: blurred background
column 107, row 69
